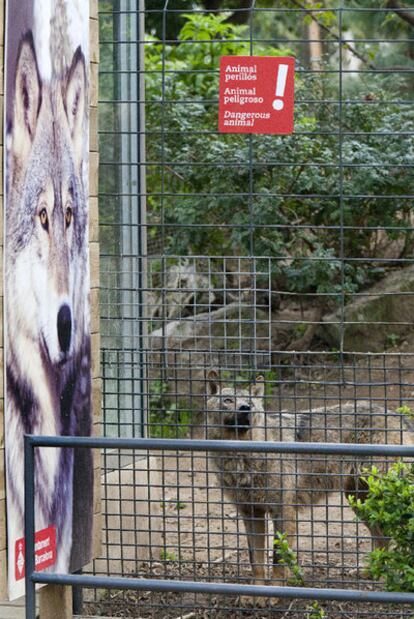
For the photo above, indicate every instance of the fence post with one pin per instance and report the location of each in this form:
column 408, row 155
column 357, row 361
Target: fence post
column 55, row 600
column 29, row 523
column 129, row 29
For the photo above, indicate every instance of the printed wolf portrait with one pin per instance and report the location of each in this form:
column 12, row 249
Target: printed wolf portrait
column 47, row 307
column 279, row 486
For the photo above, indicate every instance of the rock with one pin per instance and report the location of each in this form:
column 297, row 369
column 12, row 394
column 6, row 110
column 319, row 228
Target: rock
column 371, row 322
column 224, row 338
column 232, row 327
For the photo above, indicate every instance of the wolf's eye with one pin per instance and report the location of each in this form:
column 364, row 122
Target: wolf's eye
column 68, row 216
column 44, row 219
column 228, row 401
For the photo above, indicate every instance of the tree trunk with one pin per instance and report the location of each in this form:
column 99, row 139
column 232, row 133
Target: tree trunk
column 315, row 45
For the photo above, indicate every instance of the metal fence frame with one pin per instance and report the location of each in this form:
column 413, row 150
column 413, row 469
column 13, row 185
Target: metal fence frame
column 32, row 577
column 128, row 372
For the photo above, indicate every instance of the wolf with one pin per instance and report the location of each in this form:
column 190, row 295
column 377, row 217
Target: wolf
column 261, row 484
column 46, row 290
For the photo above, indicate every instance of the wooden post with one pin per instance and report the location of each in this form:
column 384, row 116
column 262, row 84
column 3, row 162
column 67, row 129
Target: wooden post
column 55, row 601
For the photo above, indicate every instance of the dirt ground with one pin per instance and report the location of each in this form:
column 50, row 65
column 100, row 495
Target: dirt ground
column 203, row 538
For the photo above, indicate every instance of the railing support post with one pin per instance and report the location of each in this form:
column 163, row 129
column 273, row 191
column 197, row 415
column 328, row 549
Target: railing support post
column 29, row 523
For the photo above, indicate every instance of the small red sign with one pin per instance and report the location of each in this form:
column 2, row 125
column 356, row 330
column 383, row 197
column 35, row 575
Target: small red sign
column 256, row 94
column 45, row 552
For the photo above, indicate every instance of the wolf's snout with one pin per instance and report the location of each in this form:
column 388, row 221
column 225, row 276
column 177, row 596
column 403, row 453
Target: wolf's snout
column 241, row 418
column 64, row 327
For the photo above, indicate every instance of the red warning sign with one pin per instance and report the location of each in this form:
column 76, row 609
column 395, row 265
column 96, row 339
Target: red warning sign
column 45, row 552
column 256, row 94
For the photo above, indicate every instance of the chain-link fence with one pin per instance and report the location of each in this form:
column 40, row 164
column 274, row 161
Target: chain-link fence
column 257, row 287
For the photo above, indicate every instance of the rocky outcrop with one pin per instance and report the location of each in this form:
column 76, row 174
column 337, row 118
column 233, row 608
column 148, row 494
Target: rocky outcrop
column 379, row 318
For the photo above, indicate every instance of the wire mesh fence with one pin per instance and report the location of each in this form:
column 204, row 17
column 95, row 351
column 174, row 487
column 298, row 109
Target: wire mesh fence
column 254, row 287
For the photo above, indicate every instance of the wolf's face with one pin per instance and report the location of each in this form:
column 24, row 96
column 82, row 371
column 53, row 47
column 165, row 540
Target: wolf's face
column 47, row 239
column 233, row 412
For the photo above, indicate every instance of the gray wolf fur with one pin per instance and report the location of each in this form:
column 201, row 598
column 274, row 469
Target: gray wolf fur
column 265, row 484
column 47, row 287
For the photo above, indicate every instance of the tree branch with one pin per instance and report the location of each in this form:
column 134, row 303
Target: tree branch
column 241, row 17
column 304, row 342
column 329, row 31
column 238, row 16
column 212, row 5
column 402, row 12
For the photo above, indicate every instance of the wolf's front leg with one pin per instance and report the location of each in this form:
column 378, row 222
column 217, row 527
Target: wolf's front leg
column 255, row 524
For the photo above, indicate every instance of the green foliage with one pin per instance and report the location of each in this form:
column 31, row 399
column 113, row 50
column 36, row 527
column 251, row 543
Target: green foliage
column 315, row 611
column 191, row 66
column 393, row 339
column 390, row 507
column 168, row 556
column 109, row 148
column 165, row 418
column 210, row 172
column 180, row 505
column 270, row 376
column 288, row 557
column 405, row 410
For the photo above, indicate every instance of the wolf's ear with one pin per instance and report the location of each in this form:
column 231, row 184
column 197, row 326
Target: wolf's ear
column 213, row 382
column 74, row 100
column 27, row 94
column 257, row 388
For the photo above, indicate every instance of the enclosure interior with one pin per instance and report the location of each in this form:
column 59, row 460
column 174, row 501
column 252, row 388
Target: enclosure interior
column 283, row 263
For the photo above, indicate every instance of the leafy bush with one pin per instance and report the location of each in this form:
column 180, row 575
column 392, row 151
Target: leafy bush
column 165, row 417
column 390, row 506
column 206, row 181
column 316, row 612
column 289, row 558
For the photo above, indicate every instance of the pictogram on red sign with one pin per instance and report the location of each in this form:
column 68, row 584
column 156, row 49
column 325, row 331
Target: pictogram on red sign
column 45, row 552
column 256, row 94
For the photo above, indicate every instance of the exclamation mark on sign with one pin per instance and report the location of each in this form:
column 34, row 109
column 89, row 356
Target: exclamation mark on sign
column 281, row 78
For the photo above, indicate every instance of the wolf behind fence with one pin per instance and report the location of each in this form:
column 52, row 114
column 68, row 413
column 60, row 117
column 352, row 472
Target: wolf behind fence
column 261, row 485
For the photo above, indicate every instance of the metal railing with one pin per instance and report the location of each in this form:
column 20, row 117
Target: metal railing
column 143, row 584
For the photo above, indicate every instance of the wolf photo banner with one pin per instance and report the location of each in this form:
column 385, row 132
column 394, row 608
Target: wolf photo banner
column 46, row 279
